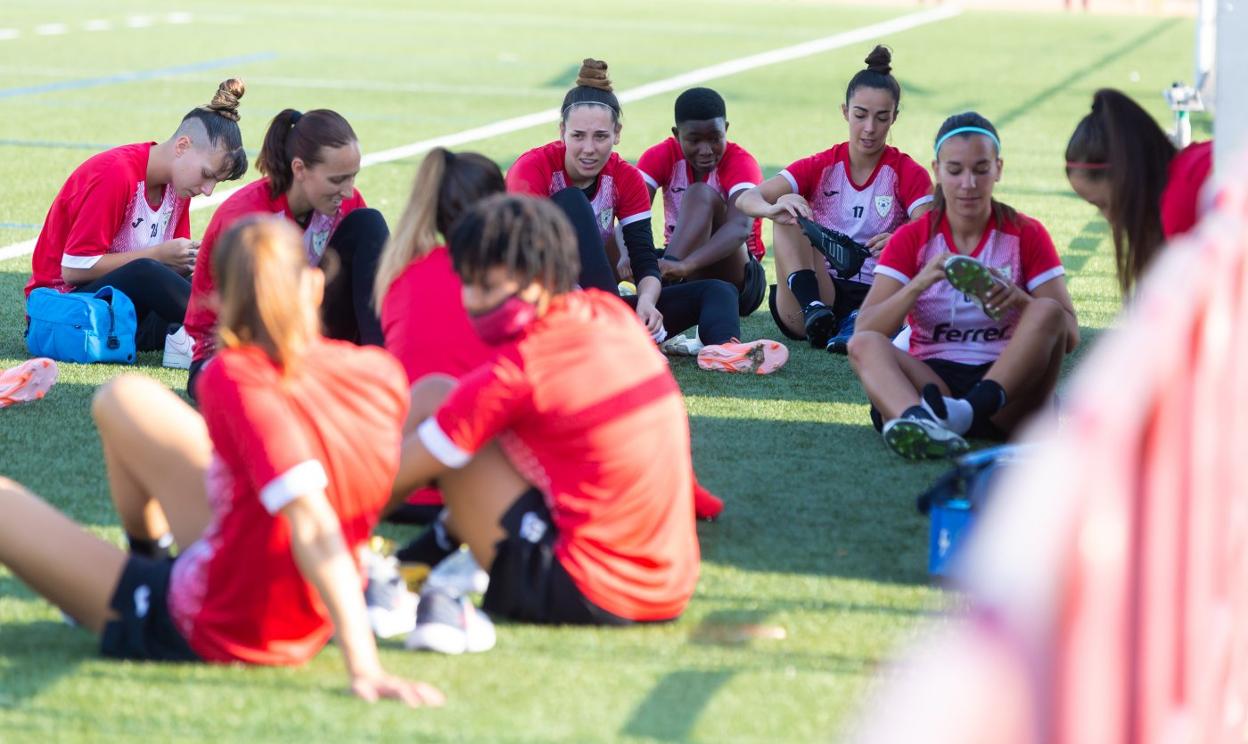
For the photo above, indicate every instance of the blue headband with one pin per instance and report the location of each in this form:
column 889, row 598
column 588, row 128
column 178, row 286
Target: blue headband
column 966, row 130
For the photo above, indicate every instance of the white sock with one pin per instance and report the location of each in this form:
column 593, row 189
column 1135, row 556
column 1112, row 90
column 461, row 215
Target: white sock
column 961, row 415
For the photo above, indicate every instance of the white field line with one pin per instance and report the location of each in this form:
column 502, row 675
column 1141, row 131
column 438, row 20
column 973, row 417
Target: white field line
column 694, row 77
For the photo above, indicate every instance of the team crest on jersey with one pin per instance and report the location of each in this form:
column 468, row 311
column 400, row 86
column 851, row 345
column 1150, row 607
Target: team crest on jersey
column 319, row 239
column 605, row 219
column 883, row 205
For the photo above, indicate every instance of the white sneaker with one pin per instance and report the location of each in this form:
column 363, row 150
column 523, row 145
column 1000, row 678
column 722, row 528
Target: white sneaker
column 682, row 345
column 450, row 625
column 178, row 349
column 391, row 607
column 458, row 574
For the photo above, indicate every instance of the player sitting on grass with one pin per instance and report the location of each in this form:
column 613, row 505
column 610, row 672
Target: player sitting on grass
column 701, row 174
column 546, row 455
column 1120, row 161
column 985, row 296
column 269, row 495
column 583, row 159
column 122, row 219
column 309, row 161
column 862, row 189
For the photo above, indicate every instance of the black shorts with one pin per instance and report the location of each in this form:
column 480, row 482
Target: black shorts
column 527, row 582
column 849, row 297
column 144, row 631
column 754, row 289
column 960, row 378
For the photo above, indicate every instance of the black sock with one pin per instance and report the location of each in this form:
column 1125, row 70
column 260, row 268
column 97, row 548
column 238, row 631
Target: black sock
column 805, row 287
column 158, row 549
column 986, row 398
column 914, row 412
column 434, row 544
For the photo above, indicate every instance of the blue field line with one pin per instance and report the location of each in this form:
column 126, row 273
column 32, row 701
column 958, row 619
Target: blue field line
column 130, row 77
column 20, row 226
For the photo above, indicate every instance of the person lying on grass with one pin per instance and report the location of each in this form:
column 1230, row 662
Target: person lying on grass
column 270, row 494
column 984, row 292
column 546, row 456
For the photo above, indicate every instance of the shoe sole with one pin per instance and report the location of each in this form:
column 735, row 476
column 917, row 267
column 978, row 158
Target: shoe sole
column 973, row 279
column 822, row 330
column 755, row 357
column 391, row 623
column 846, row 260
column 28, row 381
column 913, row 442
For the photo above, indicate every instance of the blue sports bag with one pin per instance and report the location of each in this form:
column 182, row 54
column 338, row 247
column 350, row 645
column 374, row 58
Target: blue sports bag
column 80, row 327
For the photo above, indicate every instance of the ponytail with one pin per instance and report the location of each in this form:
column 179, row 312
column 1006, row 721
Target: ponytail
column 292, row 135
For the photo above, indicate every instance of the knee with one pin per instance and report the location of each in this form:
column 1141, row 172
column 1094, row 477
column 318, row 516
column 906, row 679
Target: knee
column 364, row 229
column 862, row 345
column 112, row 400
column 721, row 292
column 1046, row 315
column 428, row 394
column 701, row 193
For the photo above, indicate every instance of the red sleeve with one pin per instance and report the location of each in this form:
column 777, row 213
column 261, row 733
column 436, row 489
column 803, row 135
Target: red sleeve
column 529, row 175
column 632, row 198
column 487, row 400
column 1179, row 200
column 656, row 164
column 900, row 259
column 914, row 185
column 201, row 317
column 739, row 170
column 1037, row 255
column 101, row 207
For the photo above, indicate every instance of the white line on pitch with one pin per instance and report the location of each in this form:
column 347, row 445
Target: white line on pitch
column 51, row 29
column 97, row 24
column 702, row 75
column 9, row 33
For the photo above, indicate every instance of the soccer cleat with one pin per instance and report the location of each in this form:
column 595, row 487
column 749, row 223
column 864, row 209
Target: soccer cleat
column 449, row 624
column 820, row 324
column 458, row 574
column 28, row 381
column 178, row 349
column 682, row 345
column 706, row 505
column 753, row 357
column 916, row 438
column 391, row 607
column 973, row 279
column 839, row 344
column 845, row 254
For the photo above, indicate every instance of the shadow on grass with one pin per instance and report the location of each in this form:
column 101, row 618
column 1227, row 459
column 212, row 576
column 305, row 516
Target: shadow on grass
column 34, row 656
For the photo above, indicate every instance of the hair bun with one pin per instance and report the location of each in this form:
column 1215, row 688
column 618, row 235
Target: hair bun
column 225, row 102
column 593, row 74
column 880, row 60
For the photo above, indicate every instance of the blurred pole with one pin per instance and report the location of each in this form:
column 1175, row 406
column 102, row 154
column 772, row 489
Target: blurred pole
column 1231, row 122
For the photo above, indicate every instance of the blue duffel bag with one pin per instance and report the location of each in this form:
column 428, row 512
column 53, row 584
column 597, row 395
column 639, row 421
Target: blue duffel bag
column 80, row 327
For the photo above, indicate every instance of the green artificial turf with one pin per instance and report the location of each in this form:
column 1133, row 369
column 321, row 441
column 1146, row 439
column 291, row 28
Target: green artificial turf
column 820, row 537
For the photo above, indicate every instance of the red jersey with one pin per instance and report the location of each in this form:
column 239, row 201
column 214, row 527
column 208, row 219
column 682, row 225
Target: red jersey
column 895, row 189
column 588, row 431
column 201, row 316
column 664, row 167
column 103, row 209
column 1180, row 200
column 335, row 425
column 946, row 324
column 621, row 194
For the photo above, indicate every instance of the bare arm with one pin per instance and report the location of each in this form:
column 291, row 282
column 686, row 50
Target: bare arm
column 889, row 301
column 723, row 243
column 178, row 254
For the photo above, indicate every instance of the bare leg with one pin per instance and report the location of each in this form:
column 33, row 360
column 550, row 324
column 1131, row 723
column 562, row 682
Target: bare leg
column 477, row 495
column 793, row 252
column 702, row 213
column 1029, row 366
column 74, row 569
column 156, row 450
column 890, row 376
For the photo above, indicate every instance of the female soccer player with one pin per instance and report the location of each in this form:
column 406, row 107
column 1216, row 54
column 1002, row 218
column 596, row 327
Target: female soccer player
column 270, row 494
column 547, row 455
column 862, row 188
column 701, row 175
column 122, row 217
column 309, row 161
column 583, row 159
column 1121, row 162
column 983, row 291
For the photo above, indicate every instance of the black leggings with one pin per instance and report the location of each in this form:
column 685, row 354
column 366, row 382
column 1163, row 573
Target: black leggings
column 596, row 271
column 350, row 265
column 159, row 295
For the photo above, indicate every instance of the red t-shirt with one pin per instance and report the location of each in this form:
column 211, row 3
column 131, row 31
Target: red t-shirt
column 946, row 324
column 1180, row 200
column 237, row 594
column 424, row 320
column 621, row 194
column 102, row 209
column 201, row 316
column 896, row 188
column 664, row 167
column 607, row 443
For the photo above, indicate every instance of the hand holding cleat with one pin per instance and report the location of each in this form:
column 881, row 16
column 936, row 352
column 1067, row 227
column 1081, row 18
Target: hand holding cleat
column 844, row 253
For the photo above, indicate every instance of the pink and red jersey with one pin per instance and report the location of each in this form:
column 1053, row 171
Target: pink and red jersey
column 1181, row 198
column 621, row 194
column 103, row 209
column 588, row 431
column 254, row 198
column 946, row 324
column 664, row 167
column 896, row 188
column 334, row 425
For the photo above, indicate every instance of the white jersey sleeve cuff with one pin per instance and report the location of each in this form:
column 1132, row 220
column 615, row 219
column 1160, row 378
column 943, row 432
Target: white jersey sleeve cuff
column 740, row 187
column 792, row 181
column 1045, row 276
column 649, row 181
column 891, row 273
column 918, row 203
column 304, row 478
column 635, row 218
column 440, row 445
column 79, row 262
